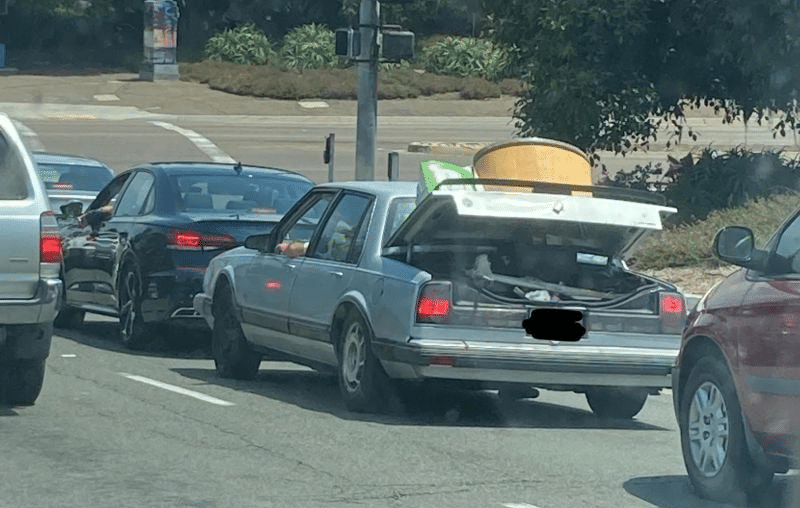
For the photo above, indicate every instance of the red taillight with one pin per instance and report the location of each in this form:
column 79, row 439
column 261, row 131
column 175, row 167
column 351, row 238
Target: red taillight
column 49, row 239
column 62, row 186
column 192, row 240
column 672, row 303
column 434, row 304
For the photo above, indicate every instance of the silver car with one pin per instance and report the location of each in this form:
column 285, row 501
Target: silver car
column 492, row 290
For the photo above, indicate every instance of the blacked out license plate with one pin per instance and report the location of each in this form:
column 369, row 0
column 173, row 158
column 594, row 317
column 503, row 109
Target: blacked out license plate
column 556, row 324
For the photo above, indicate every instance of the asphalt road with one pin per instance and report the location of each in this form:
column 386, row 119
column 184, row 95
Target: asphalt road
column 160, row 429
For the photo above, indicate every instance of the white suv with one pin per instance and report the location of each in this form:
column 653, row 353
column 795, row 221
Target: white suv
column 30, row 260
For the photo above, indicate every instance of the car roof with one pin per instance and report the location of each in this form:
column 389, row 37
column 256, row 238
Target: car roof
column 63, row 159
column 212, row 168
column 379, row 188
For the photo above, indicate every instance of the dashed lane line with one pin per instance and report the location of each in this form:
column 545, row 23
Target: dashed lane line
column 201, row 142
column 519, row 505
column 177, row 389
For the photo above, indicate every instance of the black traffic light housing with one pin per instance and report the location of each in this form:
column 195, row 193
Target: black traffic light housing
column 348, row 43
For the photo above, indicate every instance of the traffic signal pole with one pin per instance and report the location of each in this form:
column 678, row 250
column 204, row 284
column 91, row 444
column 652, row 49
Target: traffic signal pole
column 367, row 122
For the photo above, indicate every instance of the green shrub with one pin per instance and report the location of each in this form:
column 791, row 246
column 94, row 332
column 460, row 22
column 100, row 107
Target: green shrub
column 245, row 44
column 690, row 244
column 713, row 180
column 309, row 47
column 467, row 56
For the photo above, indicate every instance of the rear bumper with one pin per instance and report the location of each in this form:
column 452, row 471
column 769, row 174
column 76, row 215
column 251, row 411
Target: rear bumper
column 565, row 366
column 42, row 308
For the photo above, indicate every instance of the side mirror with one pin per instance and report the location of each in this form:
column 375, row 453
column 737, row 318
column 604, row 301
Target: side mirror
column 736, row 245
column 72, row 210
column 261, row 243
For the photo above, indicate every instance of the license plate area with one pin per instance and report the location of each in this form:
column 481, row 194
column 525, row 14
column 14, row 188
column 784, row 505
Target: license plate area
column 556, row 324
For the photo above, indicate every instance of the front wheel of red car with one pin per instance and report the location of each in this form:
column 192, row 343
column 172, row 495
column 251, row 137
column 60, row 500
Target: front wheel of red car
column 712, row 438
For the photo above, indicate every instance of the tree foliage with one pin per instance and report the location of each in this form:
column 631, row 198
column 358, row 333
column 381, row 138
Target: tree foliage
column 607, row 74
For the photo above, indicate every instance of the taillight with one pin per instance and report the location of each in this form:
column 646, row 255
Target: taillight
column 62, row 186
column 49, row 239
column 434, row 302
column 673, row 313
column 192, row 240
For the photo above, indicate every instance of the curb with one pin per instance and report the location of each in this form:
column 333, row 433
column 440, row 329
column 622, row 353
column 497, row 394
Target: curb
column 463, row 148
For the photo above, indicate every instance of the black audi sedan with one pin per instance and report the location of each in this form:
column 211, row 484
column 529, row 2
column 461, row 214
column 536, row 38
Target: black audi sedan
column 140, row 249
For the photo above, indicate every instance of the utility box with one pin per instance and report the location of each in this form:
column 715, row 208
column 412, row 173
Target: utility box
column 160, row 40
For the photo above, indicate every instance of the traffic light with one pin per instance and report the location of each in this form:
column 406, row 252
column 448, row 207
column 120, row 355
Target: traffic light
column 397, row 45
column 347, row 43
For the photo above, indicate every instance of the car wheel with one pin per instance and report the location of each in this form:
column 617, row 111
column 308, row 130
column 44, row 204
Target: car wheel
column 712, row 437
column 362, row 381
column 22, row 381
column 233, row 356
column 623, row 403
column 133, row 331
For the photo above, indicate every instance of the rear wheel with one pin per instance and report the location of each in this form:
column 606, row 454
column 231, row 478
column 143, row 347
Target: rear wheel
column 233, row 356
column 362, row 381
column 713, row 443
column 69, row 317
column 133, row 331
column 22, row 381
column 624, row 403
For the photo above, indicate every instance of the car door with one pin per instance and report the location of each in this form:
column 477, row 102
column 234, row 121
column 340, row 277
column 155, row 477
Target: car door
column 326, row 275
column 769, row 344
column 264, row 284
column 80, row 244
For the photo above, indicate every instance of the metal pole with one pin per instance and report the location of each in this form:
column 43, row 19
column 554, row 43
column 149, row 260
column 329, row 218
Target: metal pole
column 394, row 166
column 367, row 91
column 332, row 145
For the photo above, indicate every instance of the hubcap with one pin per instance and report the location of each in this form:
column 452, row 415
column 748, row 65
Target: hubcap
column 128, row 309
column 353, row 356
column 708, row 429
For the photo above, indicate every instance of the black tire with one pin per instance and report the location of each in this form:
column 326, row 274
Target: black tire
column 362, row 381
column 738, row 479
column 133, row 331
column 69, row 317
column 22, row 381
column 621, row 403
column 233, row 356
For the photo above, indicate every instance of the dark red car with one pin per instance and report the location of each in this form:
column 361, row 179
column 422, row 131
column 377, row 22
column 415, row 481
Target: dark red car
column 736, row 385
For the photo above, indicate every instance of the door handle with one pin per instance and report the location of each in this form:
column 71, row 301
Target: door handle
column 290, row 266
column 337, row 274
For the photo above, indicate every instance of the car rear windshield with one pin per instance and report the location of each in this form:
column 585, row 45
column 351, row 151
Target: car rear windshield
column 246, row 193
column 13, row 176
column 74, row 176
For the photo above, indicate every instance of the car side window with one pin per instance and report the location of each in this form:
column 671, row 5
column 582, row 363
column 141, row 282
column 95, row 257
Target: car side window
column 108, row 195
column 13, row 175
column 786, row 257
column 132, row 201
column 337, row 238
column 304, row 223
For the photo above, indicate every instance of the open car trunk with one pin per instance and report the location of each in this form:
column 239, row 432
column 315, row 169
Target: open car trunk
column 507, row 248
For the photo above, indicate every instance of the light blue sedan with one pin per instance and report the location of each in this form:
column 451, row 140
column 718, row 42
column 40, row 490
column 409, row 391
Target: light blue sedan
column 492, row 290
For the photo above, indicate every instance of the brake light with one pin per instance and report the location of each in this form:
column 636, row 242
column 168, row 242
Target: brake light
column 672, row 303
column 62, row 186
column 192, row 240
column 49, row 239
column 434, row 302
column 673, row 313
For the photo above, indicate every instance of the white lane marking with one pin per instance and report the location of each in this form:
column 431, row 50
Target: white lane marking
column 178, row 389
column 202, row 143
column 313, row 104
column 69, row 356
column 519, row 505
column 107, row 97
column 30, row 136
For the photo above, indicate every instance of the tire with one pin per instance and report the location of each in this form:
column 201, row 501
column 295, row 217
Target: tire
column 710, row 417
column 133, row 331
column 621, row 403
column 69, row 317
column 233, row 356
column 362, row 381
column 22, row 381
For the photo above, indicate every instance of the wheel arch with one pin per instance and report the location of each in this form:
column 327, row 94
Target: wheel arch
column 351, row 302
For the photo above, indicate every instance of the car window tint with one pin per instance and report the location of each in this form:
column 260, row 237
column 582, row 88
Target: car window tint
column 245, row 193
column 307, row 218
column 336, row 239
column 13, row 176
column 132, row 201
column 787, row 259
column 74, row 176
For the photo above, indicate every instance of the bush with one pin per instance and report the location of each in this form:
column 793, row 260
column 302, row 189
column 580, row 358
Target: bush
column 309, row 47
column 467, row 56
column 690, row 244
column 245, row 44
column 476, row 88
column 714, row 180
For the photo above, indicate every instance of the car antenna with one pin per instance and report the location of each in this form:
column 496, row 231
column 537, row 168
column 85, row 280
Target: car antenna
column 238, row 168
